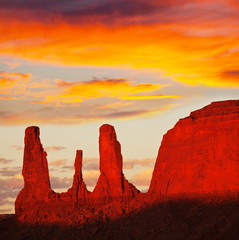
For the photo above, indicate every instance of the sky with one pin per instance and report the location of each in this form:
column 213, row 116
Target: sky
column 69, row 66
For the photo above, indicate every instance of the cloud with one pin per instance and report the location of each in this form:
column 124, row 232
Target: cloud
column 21, row 86
column 77, row 115
column 60, row 183
column 12, row 79
column 11, row 183
column 17, row 147
column 189, row 51
column 9, row 189
column 136, row 113
column 90, row 164
column 120, row 88
column 10, row 64
column 137, row 97
column 107, row 11
column 131, row 163
column 5, row 161
column 47, row 148
column 115, row 105
column 58, row 163
column 67, row 168
column 142, row 178
column 232, row 76
column 10, row 171
column 54, row 148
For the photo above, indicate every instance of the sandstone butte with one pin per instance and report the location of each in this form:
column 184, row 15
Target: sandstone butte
column 198, row 156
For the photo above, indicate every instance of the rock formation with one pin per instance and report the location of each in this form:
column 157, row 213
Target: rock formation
column 37, row 195
column 78, row 193
column 35, row 172
column 112, row 182
column 201, row 153
column 199, row 156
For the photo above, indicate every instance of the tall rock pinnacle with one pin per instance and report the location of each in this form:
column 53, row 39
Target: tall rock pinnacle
column 201, row 153
column 35, row 171
column 112, row 182
column 78, row 192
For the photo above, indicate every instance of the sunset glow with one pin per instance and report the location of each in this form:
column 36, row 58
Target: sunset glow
column 70, row 66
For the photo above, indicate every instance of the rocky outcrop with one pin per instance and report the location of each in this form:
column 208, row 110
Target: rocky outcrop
column 78, row 193
column 199, row 156
column 35, row 172
column 37, row 198
column 201, row 153
column 111, row 183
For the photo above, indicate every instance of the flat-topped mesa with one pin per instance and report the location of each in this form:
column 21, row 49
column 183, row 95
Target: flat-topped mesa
column 78, row 192
column 35, row 171
column 228, row 108
column 201, row 153
column 112, row 182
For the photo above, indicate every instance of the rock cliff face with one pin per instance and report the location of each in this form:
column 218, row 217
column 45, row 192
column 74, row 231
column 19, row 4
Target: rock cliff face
column 201, row 153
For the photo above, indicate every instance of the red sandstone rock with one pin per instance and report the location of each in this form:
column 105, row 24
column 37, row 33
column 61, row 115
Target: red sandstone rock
column 201, row 153
column 37, row 199
column 112, row 182
column 78, row 192
column 35, row 172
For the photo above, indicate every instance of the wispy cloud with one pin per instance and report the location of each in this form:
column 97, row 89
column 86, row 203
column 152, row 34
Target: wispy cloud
column 8, row 80
column 5, row 161
column 10, row 64
column 11, row 183
column 17, row 147
column 58, row 163
column 116, row 88
column 54, row 148
column 131, row 163
column 138, row 97
column 60, row 183
column 115, row 105
column 90, row 164
column 10, row 171
column 9, row 188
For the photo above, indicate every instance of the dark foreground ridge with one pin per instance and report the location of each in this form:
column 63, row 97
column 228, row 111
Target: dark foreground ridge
column 193, row 192
column 175, row 219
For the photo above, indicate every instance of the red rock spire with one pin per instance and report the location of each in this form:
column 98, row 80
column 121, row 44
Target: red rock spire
column 112, row 182
column 78, row 192
column 201, row 153
column 35, row 170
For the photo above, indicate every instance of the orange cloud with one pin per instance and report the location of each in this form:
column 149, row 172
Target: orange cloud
column 120, row 88
column 10, row 79
column 189, row 53
column 149, row 97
